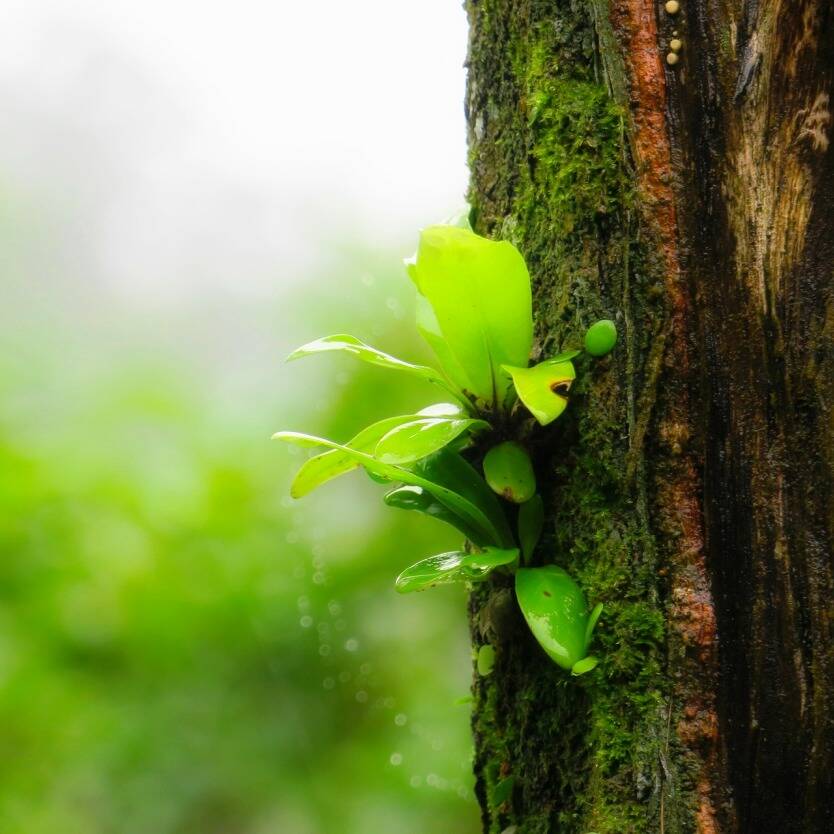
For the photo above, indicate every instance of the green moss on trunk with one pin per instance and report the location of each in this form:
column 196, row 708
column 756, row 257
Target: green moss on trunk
column 550, row 171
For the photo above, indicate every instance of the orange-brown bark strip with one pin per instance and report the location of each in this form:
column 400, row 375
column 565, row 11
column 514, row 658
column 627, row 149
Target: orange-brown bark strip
column 692, row 610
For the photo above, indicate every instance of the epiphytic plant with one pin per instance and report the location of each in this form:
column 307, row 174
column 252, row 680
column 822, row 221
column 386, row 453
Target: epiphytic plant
column 474, row 308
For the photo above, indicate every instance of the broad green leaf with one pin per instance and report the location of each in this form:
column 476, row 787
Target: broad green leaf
column 479, row 290
column 409, row 442
column 322, row 468
column 429, row 329
column 544, row 387
column 470, row 512
column 530, row 523
column 452, row 471
column 416, row 498
column 455, row 566
column 556, row 612
column 356, row 347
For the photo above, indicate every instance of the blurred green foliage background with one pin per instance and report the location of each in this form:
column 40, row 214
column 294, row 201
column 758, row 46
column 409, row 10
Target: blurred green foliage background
column 183, row 649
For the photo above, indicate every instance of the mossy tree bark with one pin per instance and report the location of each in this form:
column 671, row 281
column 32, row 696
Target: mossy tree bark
column 691, row 484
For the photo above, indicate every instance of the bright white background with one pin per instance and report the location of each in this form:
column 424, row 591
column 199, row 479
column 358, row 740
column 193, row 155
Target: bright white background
column 182, row 144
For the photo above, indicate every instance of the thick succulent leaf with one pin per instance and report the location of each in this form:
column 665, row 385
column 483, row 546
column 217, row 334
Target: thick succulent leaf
column 455, row 566
column 409, row 442
column 556, row 612
column 479, row 290
column 450, row 470
column 530, row 523
column 509, row 472
column 416, row 498
column 472, row 514
column 544, row 387
column 356, row 347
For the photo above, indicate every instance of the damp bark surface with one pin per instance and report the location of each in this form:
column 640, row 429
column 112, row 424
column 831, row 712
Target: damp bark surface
column 690, row 484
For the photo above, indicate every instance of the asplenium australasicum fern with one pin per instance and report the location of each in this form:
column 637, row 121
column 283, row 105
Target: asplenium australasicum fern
column 464, row 461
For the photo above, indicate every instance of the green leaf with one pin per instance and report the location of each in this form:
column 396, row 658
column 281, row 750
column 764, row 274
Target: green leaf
column 429, row 329
column 416, row 498
column 450, row 470
column 530, row 523
column 502, row 792
column 455, row 566
column 356, row 347
column 592, row 621
column 322, row 468
column 479, row 290
column 556, row 612
column 470, row 512
column 584, row 665
column 409, row 442
column 544, row 387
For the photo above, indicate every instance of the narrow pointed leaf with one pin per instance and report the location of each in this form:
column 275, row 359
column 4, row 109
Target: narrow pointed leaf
column 479, row 290
column 322, row 468
column 416, row 498
column 409, row 442
column 356, row 347
column 455, row 566
column 544, row 387
column 530, row 523
column 592, row 621
column 556, row 612
column 457, row 503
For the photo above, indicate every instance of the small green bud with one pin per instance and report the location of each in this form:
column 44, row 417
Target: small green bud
column 509, row 472
column 601, row 337
column 486, row 660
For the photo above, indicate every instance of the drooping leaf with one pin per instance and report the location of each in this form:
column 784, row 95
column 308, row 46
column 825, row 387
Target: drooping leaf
column 416, row 498
column 458, row 503
column 409, row 442
column 530, row 523
column 452, row 471
column 356, row 347
column 455, row 566
column 544, row 387
column 557, row 614
column 479, row 290
column 322, row 468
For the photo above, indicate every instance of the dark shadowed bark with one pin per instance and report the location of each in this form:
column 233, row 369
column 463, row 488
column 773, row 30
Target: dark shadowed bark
column 689, row 487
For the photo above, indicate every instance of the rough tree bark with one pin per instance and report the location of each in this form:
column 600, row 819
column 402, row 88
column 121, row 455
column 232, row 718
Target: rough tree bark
column 691, row 485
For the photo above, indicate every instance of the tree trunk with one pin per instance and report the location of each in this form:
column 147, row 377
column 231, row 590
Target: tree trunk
column 690, row 485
